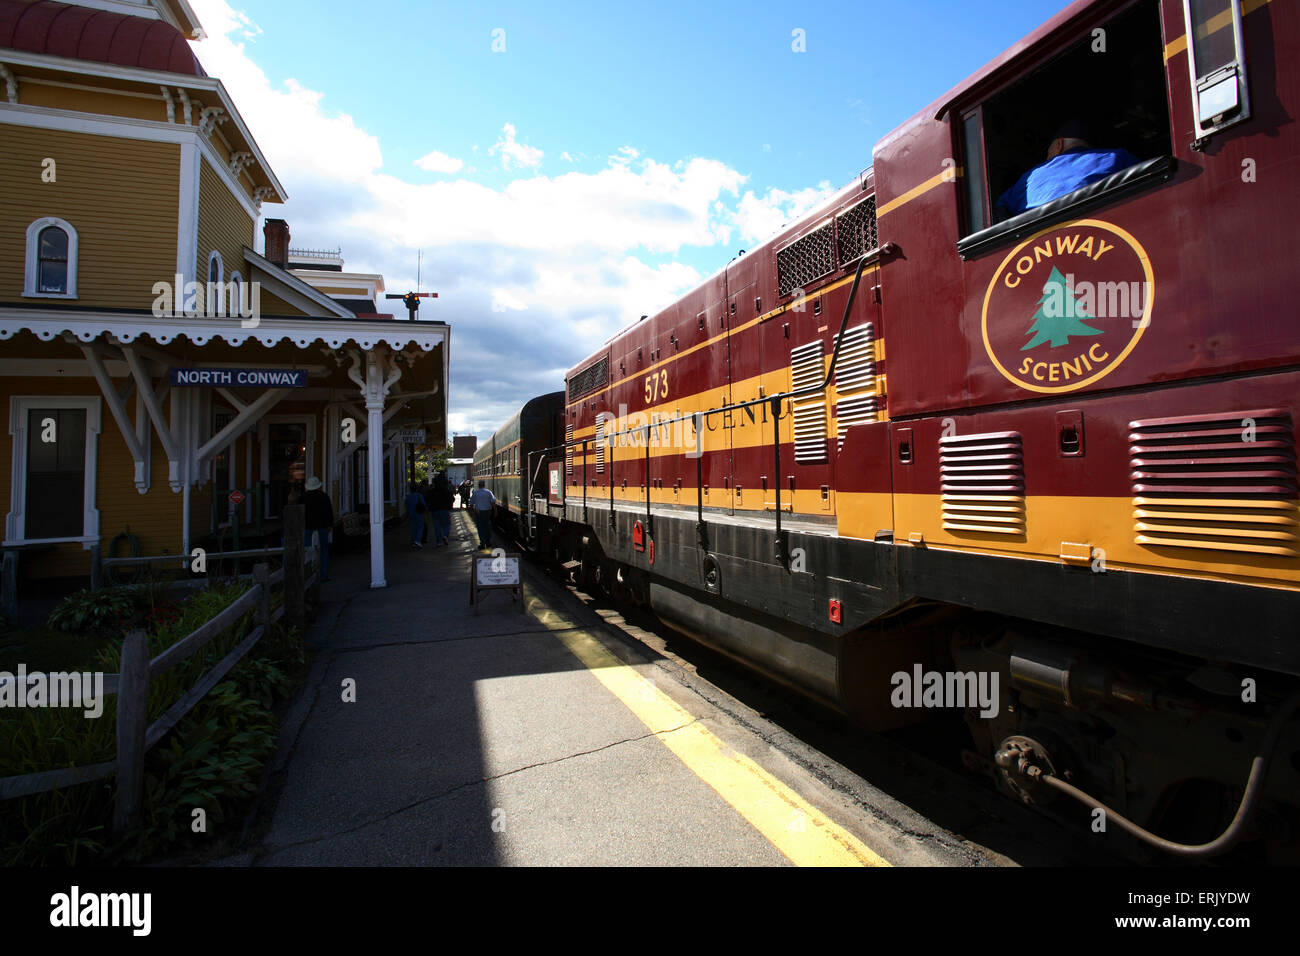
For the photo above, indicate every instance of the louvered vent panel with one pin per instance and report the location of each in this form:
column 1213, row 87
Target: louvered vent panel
column 856, row 231
column 591, row 378
column 802, row 262
column 855, row 379
column 1223, row 482
column 600, row 444
column 982, row 479
column 568, row 449
column 807, row 371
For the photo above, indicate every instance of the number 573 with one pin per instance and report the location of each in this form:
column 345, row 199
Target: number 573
column 656, row 386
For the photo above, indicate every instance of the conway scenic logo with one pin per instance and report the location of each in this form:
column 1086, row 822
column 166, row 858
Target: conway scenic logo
column 1067, row 306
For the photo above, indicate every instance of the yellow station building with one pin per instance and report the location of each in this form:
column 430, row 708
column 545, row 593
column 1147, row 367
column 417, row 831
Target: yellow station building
column 152, row 362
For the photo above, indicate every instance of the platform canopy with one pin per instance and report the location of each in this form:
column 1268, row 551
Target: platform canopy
column 376, row 374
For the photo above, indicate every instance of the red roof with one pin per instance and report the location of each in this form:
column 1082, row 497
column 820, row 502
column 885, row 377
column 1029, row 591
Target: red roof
column 61, row 29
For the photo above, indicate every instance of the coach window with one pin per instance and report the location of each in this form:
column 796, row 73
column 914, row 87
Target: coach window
column 51, row 267
column 1110, row 83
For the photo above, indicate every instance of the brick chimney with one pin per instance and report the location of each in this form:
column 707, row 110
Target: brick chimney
column 276, row 232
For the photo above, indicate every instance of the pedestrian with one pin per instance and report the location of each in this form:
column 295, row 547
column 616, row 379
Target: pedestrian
column 415, row 510
column 483, row 501
column 442, row 501
column 318, row 520
column 465, row 489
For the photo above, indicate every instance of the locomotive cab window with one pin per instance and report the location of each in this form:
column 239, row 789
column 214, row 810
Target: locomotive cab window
column 1085, row 127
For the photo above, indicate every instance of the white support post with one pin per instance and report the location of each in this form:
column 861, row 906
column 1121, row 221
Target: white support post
column 151, row 401
column 117, row 406
column 374, row 388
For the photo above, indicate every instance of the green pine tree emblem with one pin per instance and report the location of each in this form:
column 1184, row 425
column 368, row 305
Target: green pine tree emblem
column 1059, row 315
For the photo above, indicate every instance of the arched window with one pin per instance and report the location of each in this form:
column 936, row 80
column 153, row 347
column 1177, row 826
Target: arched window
column 216, row 268
column 236, row 294
column 51, row 259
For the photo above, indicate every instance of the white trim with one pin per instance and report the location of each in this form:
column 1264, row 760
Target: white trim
column 321, row 279
column 303, row 332
column 30, row 290
column 236, row 293
column 187, row 211
column 16, row 519
column 123, row 6
column 41, row 81
column 221, row 268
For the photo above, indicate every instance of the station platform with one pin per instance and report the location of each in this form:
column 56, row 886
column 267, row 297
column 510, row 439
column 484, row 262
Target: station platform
column 533, row 736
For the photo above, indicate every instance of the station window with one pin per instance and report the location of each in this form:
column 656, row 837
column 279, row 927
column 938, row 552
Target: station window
column 1104, row 98
column 51, row 268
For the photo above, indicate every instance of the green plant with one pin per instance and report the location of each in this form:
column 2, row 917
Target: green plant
column 104, row 612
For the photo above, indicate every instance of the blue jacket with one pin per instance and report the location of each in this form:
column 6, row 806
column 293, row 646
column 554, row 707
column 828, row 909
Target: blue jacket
column 1063, row 174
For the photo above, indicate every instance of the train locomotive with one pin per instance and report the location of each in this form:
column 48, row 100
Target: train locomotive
column 912, row 443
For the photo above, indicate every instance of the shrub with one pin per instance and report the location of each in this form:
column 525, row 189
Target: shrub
column 105, row 613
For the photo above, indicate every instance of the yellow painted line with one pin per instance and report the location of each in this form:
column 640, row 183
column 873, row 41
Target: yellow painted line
column 1213, row 25
column 721, row 336
column 947, row 176
column 787, row 821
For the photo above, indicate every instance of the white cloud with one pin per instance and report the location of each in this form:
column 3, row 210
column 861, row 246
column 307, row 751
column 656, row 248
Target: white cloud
column 533, row 274
column 437, row 162
column 758, row 217
column 513, row 152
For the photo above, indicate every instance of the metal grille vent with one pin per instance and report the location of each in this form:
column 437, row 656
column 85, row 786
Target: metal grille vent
column 807, row 371
column 594, row 376
column 1224, row 482
column 855, row 379
column 802, row 262
column 600, row 444
column 855, row 231
column 568, row 449
column 982, row 479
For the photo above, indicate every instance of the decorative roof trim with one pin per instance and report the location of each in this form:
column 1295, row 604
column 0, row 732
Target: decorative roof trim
column 48, row 324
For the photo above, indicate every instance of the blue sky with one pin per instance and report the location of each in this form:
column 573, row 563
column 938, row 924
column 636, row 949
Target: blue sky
column 566, row 170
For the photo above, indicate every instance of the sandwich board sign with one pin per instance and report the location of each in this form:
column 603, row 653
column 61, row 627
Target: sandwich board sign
column 498, row 571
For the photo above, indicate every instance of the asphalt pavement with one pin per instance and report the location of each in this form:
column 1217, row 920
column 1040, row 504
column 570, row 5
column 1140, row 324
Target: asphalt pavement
column 431, row 732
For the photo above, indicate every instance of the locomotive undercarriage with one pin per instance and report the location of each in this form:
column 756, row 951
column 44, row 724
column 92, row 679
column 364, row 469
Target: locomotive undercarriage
column 1162, row 737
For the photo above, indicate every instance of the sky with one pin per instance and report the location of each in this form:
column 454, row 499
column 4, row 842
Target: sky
column 562, row 168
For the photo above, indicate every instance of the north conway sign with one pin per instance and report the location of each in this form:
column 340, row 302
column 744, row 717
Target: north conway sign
column 239, row 377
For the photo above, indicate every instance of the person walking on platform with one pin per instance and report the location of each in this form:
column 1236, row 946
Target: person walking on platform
column 415, row 510
column 442, row 498
column 483, row 501
column 318, row 514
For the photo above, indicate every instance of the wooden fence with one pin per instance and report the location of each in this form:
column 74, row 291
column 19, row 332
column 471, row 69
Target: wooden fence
column 131, row 686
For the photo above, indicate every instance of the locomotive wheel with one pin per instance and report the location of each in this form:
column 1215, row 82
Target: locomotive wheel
column 589, row 573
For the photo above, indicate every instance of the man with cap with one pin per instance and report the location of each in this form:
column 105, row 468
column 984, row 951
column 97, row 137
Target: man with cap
column 1072, row 162
column 319, row 520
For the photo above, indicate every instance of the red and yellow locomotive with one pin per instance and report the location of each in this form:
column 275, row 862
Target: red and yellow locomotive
column 917, row 433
